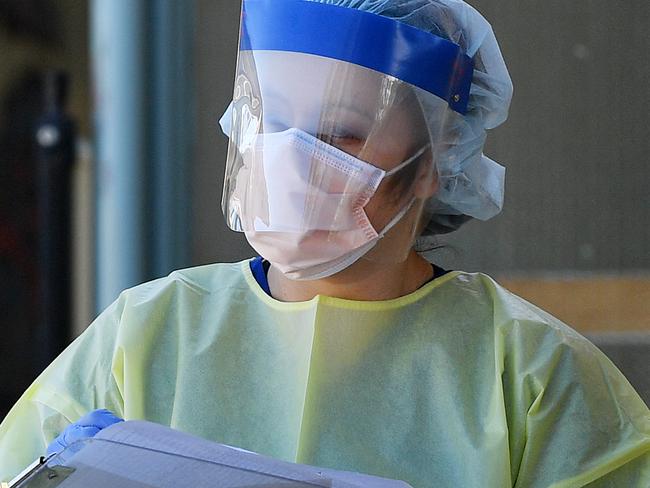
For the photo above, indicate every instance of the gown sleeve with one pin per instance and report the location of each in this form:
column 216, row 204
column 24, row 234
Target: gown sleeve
column 574, row 420
column 86, row 376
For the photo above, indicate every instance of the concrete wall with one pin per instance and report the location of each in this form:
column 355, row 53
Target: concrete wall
column 577, row 142
column 216, row 54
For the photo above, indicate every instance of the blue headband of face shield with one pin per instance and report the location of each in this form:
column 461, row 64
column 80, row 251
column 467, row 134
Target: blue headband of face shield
column 369, row 40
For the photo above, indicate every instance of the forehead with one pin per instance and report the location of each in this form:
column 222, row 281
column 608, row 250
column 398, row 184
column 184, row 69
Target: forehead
column 300, row 90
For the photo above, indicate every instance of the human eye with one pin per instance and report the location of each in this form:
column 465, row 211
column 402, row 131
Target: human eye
column 345, row 140
column 344, row 135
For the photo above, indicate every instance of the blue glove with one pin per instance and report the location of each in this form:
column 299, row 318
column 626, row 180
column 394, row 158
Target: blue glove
column 84, row 428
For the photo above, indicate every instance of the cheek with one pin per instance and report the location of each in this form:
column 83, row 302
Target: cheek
column 382, row 207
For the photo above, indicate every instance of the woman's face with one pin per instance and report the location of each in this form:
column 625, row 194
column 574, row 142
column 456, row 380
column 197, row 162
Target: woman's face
column 366, row 114
column 378, row 120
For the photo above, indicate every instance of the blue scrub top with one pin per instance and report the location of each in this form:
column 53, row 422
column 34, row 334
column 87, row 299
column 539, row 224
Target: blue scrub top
column 260, row 268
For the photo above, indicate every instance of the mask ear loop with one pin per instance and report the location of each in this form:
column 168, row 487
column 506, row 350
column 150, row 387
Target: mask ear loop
column 397, row 218
column 408, row 206
column 397, row 169
column 400, row 215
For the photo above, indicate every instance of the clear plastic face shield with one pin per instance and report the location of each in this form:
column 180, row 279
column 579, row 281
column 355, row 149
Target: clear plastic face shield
column 331, row 159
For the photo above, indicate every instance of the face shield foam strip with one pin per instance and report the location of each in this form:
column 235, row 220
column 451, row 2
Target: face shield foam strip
column 372, row 41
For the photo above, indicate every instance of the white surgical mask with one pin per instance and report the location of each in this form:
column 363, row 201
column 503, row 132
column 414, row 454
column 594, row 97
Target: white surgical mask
column 308, row 232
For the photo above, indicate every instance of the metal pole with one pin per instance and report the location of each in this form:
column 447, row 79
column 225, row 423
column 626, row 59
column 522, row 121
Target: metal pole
column 55, row 140
column 120, row 67
column 172, row 131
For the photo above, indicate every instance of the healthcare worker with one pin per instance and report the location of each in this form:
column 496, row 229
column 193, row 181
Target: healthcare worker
column 356, row 131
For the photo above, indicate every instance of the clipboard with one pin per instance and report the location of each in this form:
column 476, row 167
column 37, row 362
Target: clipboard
column 139, row 454
column 39, row 473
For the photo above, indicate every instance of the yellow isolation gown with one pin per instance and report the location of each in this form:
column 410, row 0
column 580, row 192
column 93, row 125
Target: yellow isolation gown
column 459, row 384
